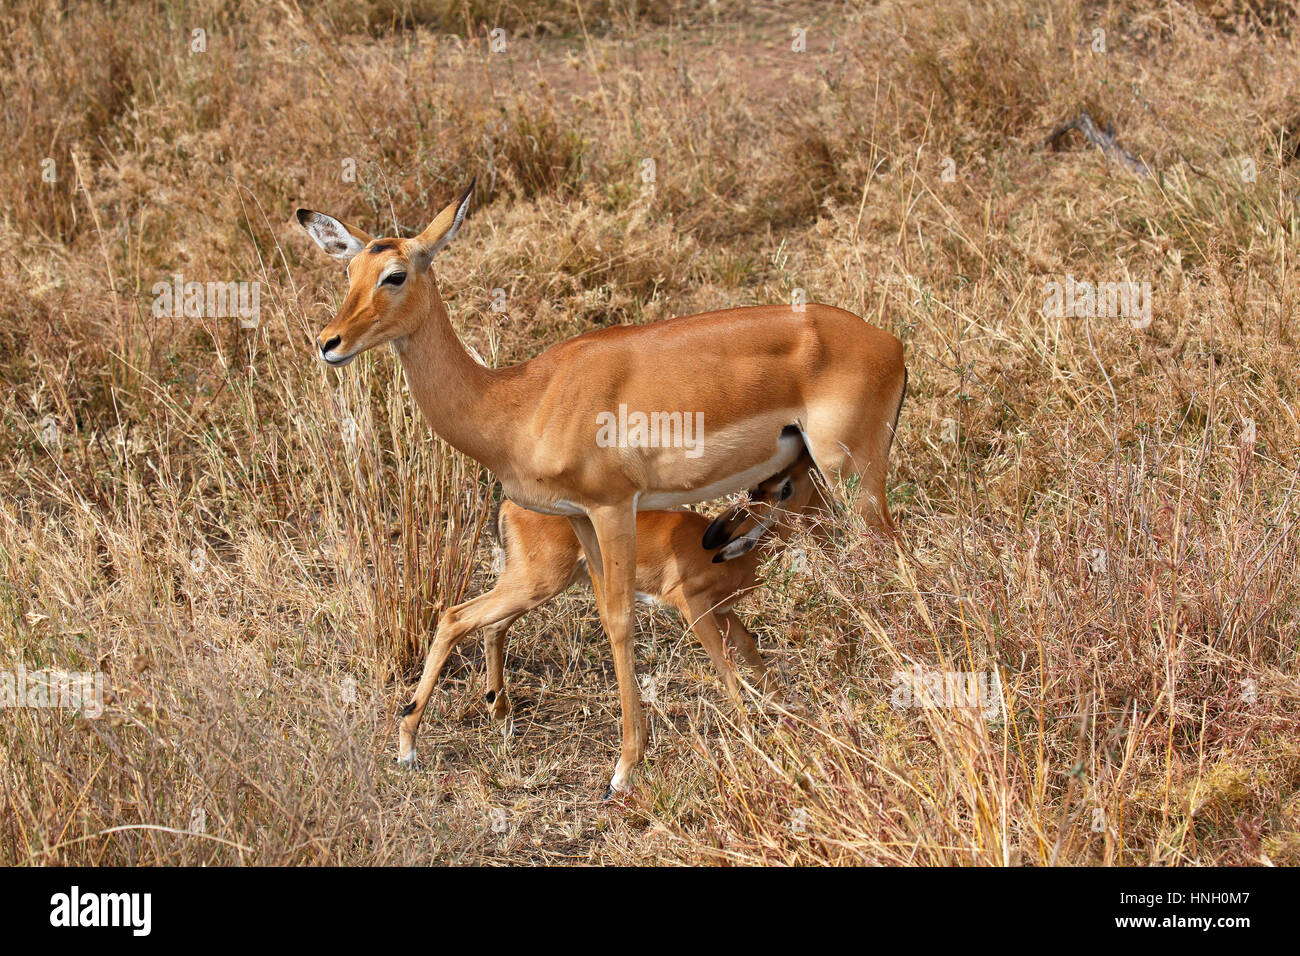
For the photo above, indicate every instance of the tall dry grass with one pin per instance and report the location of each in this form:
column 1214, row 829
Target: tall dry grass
column 254, row 549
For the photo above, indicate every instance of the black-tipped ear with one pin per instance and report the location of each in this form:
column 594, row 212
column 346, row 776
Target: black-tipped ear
column 717, row 534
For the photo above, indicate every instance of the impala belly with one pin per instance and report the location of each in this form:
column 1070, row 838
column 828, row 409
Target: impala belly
column 671, row 480
column 789, row 446
column 559, row 507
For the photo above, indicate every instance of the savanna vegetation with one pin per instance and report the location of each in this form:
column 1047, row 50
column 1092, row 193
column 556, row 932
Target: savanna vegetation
column 254, row 549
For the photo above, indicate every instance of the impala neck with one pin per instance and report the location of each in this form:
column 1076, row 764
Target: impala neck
column 456, row 394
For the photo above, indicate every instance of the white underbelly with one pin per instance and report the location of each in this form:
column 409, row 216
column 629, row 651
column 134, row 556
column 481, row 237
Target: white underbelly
column 564, row 508
column 789, row 447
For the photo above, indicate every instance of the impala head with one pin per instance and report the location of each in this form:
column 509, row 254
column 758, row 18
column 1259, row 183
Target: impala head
column 766, row 506
column 390, row 281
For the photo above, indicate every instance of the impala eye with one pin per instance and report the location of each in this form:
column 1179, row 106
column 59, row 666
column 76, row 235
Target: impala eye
column 394, row 279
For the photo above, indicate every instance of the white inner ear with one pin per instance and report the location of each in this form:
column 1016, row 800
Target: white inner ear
column 751, row 538
column 742, row 545
column 332, row 236
column 450, row 234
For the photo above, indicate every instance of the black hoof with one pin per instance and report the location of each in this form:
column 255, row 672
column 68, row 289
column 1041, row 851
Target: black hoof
column 609, row 792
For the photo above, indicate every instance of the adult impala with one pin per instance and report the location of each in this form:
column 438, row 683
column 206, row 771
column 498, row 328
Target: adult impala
column 755, row 375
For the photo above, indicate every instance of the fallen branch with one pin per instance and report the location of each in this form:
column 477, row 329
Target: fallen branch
column 1104, row 140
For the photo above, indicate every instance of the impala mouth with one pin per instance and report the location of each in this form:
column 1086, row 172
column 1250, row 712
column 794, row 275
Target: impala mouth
column 338, row 362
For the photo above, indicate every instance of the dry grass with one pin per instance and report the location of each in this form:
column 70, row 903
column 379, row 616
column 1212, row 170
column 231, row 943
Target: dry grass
column 254, row 549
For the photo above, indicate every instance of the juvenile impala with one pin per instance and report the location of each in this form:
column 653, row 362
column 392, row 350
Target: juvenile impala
column 543, row 427
column 543, row 558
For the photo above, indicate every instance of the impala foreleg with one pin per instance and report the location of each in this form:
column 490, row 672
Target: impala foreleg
column 608, row 538
column 494, row 642
column 456, row 624
column 699, row 616
column 739, row 637
column 717, row 628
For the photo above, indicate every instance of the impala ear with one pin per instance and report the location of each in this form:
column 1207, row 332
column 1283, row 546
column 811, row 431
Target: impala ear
column 445, row 225
column 723, row 527
column 334, row 236
column 739, row 546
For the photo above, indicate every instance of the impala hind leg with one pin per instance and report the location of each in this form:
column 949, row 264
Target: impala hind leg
column 456, row 624
column 851, row 439
column 864, row 464
column 608, row 537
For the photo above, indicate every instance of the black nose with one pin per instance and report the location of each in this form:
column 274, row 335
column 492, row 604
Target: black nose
column 330, row 345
